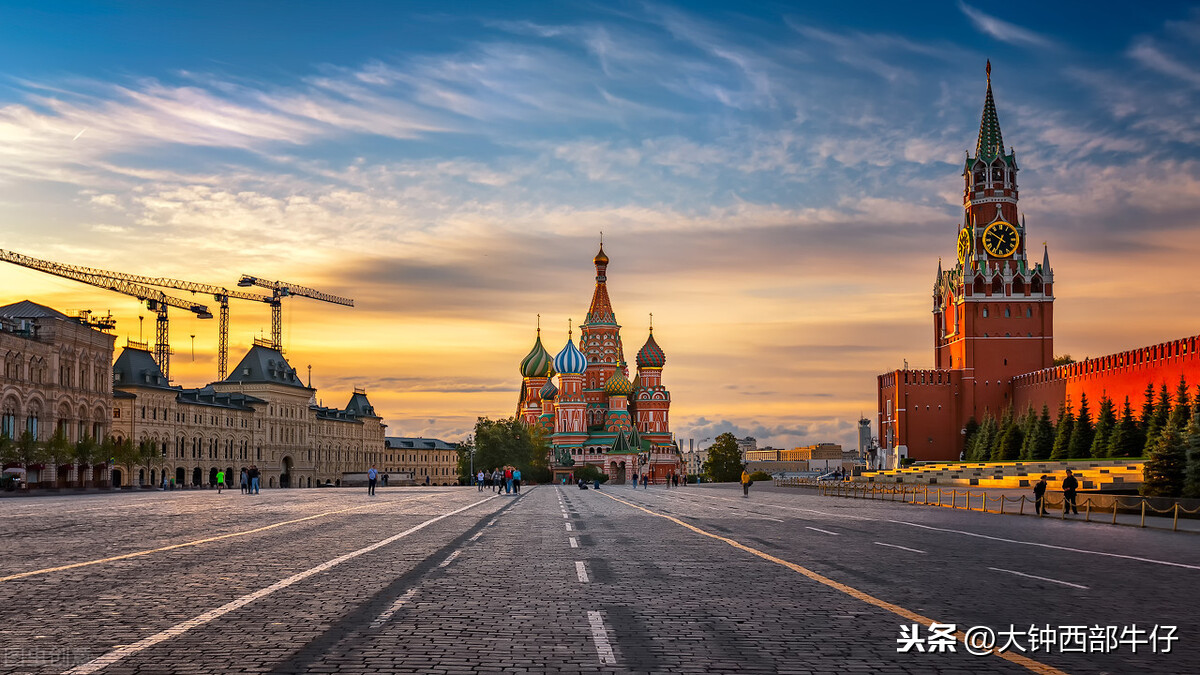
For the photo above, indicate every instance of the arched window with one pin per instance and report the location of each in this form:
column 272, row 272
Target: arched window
column 1007, row 312
column 997, row 286
column 985, row 311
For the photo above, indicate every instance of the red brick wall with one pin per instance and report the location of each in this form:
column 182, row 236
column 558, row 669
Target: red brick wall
column 1116, row 375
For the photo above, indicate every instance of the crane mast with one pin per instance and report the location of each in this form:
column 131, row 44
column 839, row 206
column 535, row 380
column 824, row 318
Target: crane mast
column 156, row 301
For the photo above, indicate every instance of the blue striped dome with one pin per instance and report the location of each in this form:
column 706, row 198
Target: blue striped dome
column 570, row 361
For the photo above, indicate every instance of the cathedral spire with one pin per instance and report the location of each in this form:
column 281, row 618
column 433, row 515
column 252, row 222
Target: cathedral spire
column 991, row 142
column 600, row 311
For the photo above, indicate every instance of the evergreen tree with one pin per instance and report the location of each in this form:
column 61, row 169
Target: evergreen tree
column 1029, row 425
column 1183, row 406
column 1147, row 412
column 1082, row 433
column 1062, row 436
column 1166, row 465
column 1002, row 433
column 1009, row 447
column 1044, row 445
column 1126, row 439
column 981, row 446
column 972, row 428
column 1158, row 420
column 1191, row 482
column 1106, row 422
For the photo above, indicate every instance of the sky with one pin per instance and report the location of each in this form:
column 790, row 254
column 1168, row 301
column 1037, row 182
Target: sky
column 775, row 182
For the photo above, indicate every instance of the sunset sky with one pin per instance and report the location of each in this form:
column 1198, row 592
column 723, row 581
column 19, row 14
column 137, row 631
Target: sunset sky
column 775, row 182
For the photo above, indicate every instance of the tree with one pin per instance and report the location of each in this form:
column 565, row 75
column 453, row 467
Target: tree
column 26, row 451
column 510, row 441
column 59, row 453
column 1062, row 436
column 1044, row 444
column 87, row 454
column 1165, row 468
column 1029, row 427
column 125, row 454
column 1008, row 444
column 1191, row 481
column 972, row 427
column 1183, row 406
column 108, row 455
column 1106, row 422
column 149, row 455
column 466, row 452
column 1147, row 412
column 724, row 463
column 1082, row 434
column 1158, row 420
column 1126, row 439
column 590, row 473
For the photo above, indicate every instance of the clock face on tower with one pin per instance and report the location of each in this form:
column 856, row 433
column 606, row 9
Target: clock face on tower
column 1000, row 239
column 964, row 244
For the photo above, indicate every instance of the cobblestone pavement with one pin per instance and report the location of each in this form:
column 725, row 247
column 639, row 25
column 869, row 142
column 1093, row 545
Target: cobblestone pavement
column 453, row 580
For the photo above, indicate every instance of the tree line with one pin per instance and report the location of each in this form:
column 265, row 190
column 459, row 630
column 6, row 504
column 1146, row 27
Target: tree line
column 1166, row 433
column 27, row 452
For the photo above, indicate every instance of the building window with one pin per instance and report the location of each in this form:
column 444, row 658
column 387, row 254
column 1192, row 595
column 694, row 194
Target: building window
column 985, row 312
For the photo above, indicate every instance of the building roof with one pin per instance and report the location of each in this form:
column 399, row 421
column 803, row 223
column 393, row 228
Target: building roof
column 207, row 396
column 991, row 142
column 418, row 443
column 359, row 406
column 263, row 364
column 135, row 367
column 651, row 355
column 600, row 311
column 27, row 309
column 570, row 361
column 537, row 363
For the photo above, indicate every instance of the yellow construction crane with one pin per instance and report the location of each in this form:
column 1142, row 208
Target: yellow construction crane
column 282, row 289
column 155, row 299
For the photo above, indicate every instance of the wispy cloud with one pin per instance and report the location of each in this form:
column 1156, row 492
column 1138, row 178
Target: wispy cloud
column 1003, row 30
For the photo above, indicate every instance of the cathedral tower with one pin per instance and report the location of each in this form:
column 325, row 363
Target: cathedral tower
column 600, row 342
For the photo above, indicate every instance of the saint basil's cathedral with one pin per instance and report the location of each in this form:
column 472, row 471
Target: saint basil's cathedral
column 595, row 415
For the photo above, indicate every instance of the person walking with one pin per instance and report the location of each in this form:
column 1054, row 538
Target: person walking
column 372, row 475
column 255, row 475
column 220, row 481
column 383, row 480
column 636, row 478
column 516, row 481
column 1069, row 485
column 746, row 482
column 245, row 484
column 479, row 480
column 497, row 479
column 1039, row 497
column 645, row 481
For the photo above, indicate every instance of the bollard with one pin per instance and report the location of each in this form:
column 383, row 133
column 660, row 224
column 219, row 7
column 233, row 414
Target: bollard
column 1087, row 510
column 1022, row 512
column 1143, row 513
column 1175, row 523
column 939, row 497
column 1001, row 504
column 1115, row 500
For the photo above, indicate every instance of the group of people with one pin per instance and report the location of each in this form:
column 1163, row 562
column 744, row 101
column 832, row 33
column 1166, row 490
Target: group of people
column 250, row 478
column 505, row 480
column 1070, row 485
column 672, row 480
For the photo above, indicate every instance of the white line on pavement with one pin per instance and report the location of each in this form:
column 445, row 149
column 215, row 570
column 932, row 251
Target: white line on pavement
column 817, row 529
column 1060, row 548
column 581, row 570
column 774, row 519
column 565, row 516
column 476, row 535
column 1031, row 576
column 574, row 542
column 568, row 526
column 600, row 636
column 201, row 619
column 449, row 559
column 395, row 606
column 900, row 547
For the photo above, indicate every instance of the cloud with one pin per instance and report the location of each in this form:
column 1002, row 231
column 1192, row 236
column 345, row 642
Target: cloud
column 1003, row 30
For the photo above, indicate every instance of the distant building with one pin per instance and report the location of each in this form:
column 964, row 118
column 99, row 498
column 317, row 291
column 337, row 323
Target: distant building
column 56, row 378
column 423, row 458
column 747, row 445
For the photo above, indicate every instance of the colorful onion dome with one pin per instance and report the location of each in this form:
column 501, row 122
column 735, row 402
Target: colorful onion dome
column 600, row 258
column 651, row 355
column 618, row 384
column 570, row 361
column 549, row 391
column 537, row 362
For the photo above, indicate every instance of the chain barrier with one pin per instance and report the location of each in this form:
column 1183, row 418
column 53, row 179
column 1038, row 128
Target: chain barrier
column 909, row 495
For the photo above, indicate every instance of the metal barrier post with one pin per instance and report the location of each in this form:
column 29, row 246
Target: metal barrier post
column 1022, row 512
column 939, row 497
column 1087, row 510
column 1143, row 512
column 1001, row 504
column 1115, row 500
column 1175, row 523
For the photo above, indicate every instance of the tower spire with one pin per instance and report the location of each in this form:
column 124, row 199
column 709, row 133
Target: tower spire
column 991, row 142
